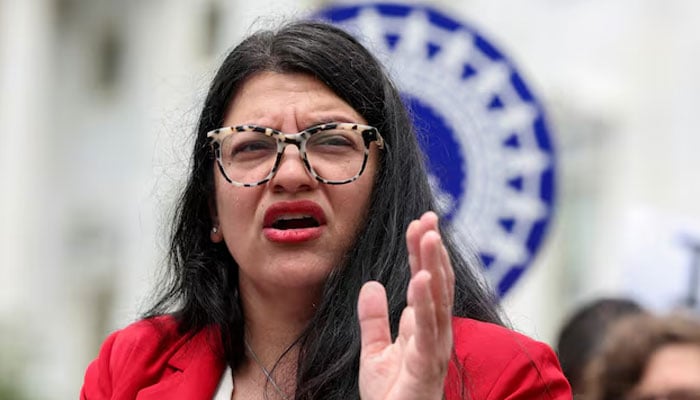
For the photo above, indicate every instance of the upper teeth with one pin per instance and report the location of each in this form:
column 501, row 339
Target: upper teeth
column 291, row 217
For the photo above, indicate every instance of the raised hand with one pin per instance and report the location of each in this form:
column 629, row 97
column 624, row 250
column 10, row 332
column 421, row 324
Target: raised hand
column 415, row 365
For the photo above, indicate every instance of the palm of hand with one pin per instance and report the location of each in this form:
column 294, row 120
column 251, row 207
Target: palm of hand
column 413, row 366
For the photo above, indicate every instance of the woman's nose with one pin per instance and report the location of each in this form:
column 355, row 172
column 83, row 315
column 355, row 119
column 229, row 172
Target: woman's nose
column 292, row 174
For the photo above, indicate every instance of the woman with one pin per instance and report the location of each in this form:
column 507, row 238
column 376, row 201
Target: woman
column 308, row 265
column 648, row 357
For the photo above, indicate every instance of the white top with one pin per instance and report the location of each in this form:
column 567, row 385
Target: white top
column 225, row 389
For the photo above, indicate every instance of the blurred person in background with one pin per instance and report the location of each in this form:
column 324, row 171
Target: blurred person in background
column 582, row 334
column 305, row 262
column 648, row 357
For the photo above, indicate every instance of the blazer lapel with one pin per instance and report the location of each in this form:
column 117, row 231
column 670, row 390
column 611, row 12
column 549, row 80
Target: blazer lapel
column 197, row 368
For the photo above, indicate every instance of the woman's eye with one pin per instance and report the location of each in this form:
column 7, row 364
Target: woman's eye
column 332, row 140
column 257, row 145
column 251, row 149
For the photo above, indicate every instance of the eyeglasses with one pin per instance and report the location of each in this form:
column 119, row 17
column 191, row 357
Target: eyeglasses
column 334, row 153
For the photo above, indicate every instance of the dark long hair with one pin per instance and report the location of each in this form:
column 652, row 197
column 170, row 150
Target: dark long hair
column 202, row 279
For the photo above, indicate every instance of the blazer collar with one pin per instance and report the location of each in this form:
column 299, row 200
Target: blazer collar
column 198, row 368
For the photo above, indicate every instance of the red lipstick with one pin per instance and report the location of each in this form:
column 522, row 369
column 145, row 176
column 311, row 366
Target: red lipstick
column 293, row 221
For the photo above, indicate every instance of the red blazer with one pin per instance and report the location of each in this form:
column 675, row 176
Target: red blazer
column 149, row 360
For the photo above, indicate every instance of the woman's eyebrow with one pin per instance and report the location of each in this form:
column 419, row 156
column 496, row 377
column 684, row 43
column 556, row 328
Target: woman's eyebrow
column 331, row 118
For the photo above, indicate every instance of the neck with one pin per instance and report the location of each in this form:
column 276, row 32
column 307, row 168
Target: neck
column 268, row 374
column 274, row 319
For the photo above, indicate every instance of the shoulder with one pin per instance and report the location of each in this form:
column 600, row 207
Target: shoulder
column 148, row 331
column 499, row 363
column 144, row 340
column 475, row 339
column 138, row 356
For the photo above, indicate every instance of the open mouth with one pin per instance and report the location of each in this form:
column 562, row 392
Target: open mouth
column 291, row 222
column 295, row 223
column 289, row 215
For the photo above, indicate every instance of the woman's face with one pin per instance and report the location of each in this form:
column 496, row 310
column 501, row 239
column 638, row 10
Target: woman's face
column 292, row 231
column 672, row 372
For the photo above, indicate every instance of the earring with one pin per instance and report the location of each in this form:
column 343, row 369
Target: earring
column 215, row 235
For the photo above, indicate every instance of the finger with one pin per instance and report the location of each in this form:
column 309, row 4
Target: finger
column 429, row 220
column 432, row 260
column 445, row 321
column 415, row 231
column 447, row 276
column 450, row 275
column 436, row 264
column 425, row 324
column 413, row 234
column 407, row 325
column 373, row 315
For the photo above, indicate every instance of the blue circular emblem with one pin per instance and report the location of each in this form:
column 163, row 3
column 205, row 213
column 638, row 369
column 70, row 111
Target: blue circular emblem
column 490, row 154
